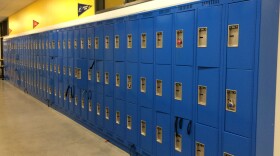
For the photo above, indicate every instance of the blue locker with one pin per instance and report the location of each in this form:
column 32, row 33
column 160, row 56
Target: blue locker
column 146, row 91
column 183, row 88
column 70, row 63
column 70, row 43
column 91, row 74
column 60, row 95
column 163, row 39
column 66, row 95
column 184, row 35
column 71, row 99
column 108, row 78
column 109, row 115
column 163, row 140
column 236, row 145
column 146, row 132
column 119, row 40
column 59, row 43
column 99, row 42
column 132, row 82
column 54, row 44
column 206, row 140
column 71, row 75
column 108, row 42
column 183, row 136
column 132, row 123
column 208, row 96
column 90, row 42
column 163, row 88
column 241, row 54
column 120, row 81
column 81, row 73
column 209, row 36
column 99, row 114
column 132, row 40
column 120, row 121
column 91, row 109
column 84, row 104
column 64, row 44
column 77, row 101
column 76, row 43
column 239, row 102
column 146, row 30
column 60, row 68
column 99, row 77
column 83, row 43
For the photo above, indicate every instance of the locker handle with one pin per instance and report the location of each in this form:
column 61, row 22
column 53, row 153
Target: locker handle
column 180, row 120
column 66, row 93
column 92, row 65
column 189, row 127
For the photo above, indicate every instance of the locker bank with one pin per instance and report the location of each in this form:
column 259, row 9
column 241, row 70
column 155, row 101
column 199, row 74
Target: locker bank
column 140, row 77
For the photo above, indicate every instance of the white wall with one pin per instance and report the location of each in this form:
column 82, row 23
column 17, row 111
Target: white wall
column 143, row 7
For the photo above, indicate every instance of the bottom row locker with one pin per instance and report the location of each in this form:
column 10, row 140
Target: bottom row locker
column 163, row 134
column 99, row 110
column 235, row 145
column 91, row 110
column 84, row 105
column 120, row 119
column 108, row 114
column 131, row 123
column 146, row 130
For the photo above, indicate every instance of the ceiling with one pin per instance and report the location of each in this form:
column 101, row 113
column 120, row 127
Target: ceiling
column 9, row 7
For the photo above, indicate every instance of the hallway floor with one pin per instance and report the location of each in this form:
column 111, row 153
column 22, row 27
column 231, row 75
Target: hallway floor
column 30, row 128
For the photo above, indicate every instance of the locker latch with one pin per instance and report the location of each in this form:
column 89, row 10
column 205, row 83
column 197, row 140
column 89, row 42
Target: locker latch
column 98, row 109
column 227, row 154
column 233, row 35
column 179, row 38
column 117, row 41
column 53, row 44
column 89, row 43
column 58, row 69
column 96, row 43
column 202, row 37
column 89, row 74
column 129, row 41
column 75, row 44
column 76, row 100
column 231, row 96
column 106, row 42
column 159, row 87
column 70, row 71
column 69, row 44
column 89, row 105
column 83, row 103
column 106, row 78
column 118, row 117
column 202, row 95
column 107, row 115
column 64, row 44
column 143, row 84
column 129, row 82
column 178, row 143
column 82, row 43
column 178, row 91
column 159, row 39
column 159, row 134
column 58, row 44
column 143, row 128
column 143, row 40
column 129, row 122
column 97, row 77
column 118, row 80
column 199, row 149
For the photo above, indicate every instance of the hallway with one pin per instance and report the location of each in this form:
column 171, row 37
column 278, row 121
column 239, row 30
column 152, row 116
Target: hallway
column 30, row 128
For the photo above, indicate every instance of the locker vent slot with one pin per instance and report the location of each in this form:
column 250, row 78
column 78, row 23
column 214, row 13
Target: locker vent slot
column 76, row 100
column 179, row 38
column 129, row 82
column 89, row 105
column 202, row 37
column 83, row 103
column 199, row 149
column 143, row 127
column 118, row 80
column 129, row 122
column 82, row 43
column 231, row 97
column 143, row 84
column 143, row 40
column 159, row 87
column 129, row 41
column 178, row 143
column 117, row 41
column 96, row 43
column 118, row 117
column 178, row 91
column 227, row 154
column 89, row 43
column 89, row 74
column 159, row 134
column 233, row 35
column 98, row 109
column 97, row 77
column 107, row 78
column 106, row 42
column 107, row 115
column 202, row 95
column 159, row 39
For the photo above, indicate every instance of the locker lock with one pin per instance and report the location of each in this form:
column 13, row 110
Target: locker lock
column 231, row 96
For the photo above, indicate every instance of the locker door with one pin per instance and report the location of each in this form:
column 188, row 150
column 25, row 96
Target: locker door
column 236, row 145
column 60, row 43
column 209, row 36
column 70, row 43
column 239, row 106
column 120, row 121
column 208, row 96
column 60, row 68
column 146, row 33
column 60, row 95
column 99, row 77
column 120, row 81
column 119, row 40
column 91, row 109
column 241, row 35
column 108, row 42
column 99, row 107
column 183, row 96
column 91, row 74
column 131, row 82
column 132, row 40
column 206, row 140
column 90, row 42
column 146, row 130
column 162, row 129
column 146, row 89
column 83, row 43
column 50, row 41
column 77, row 101
column 163, row 88
column 183, row 137
column 109, row 115
column 81, row 73
column 76, row 42
column 54, row 43
column 184, row 38
column 108, row 78
column 98, row 42
column 163, row 39
column 65, row 43
column 84, row 105
column 131, row 123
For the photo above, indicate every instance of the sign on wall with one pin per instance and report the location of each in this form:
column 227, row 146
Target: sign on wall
column 83, row 8
column 35, row 23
